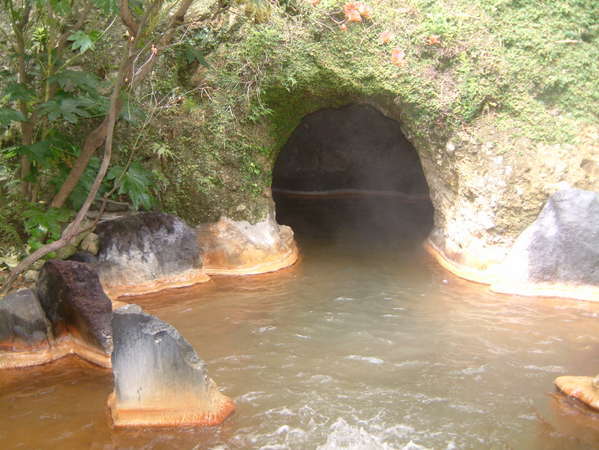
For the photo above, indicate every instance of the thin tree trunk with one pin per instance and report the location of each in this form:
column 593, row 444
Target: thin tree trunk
column 92, row 142
column 74, row 228
column 27, row 125
column 95, row 138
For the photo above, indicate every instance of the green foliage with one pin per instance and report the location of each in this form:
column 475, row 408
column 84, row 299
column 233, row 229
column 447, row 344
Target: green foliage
column 18, row 91
column 82, row 188
column 9, row 115
column 10, row 208
column 192, row 54
column 66, row 108
column 134, row 182
column 82, row 42
column 44, row 224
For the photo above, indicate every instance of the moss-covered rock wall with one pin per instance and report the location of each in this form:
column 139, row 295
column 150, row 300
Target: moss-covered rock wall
column 498, row 96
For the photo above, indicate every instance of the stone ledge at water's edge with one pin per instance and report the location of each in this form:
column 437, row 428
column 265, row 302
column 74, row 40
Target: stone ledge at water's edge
column 69, row 314
column 556, row 256
column 150, row 252
column 241, row 248
column 147, row 252
column 584, row 389
column 159, row 378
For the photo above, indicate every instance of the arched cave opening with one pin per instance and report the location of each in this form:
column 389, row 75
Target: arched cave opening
column 350, row 174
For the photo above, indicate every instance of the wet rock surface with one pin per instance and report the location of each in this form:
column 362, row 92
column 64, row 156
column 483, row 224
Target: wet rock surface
column 23, row 324
column 159, row 379
column 83, row 256
column 147, row 252
column 585, row 389
column 75, row 304
column 559, row 252
column 239, row 248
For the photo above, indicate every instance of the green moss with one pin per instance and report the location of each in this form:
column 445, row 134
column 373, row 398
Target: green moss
column 528, row 66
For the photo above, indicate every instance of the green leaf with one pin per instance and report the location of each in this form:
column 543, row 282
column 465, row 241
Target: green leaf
column 18, row 91
column 67, row 108
column 8, row 153
column 81, row 41
column 135, row 183
column 106, row 6
column 62, row 7
column 69, row 80
column 40, row 222
column 193, row 54
column 40, row 152
column 8, row 115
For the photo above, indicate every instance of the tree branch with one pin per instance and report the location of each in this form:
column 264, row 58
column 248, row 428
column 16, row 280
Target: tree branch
column 73, row 229
column 128, row 19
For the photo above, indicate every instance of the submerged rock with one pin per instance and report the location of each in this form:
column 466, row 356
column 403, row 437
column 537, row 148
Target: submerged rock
column 159, row 379
column 77, row 308
column 585, row 389
column 24, row 330
column 147, row 252
column 558, row 254
column 241, row 248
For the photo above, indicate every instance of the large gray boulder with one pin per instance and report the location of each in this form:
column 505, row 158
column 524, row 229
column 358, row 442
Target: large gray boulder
column 158, row 377
column 24, row 330
column 147, row 252
column 77, row 308
column 558, row 254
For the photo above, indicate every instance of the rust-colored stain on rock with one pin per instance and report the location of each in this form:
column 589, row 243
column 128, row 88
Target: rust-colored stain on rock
column 581, row 388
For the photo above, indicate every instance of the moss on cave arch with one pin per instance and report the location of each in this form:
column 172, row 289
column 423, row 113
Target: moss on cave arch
column 469, row 91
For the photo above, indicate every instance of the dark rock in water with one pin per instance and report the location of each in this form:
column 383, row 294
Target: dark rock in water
column 559, row 253
column 23, row 325
column 159, row 379
column 78, row 309
column 147, row 252
column 83, row 256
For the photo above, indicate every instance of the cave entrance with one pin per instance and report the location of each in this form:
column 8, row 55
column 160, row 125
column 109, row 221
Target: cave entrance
column 350, row 174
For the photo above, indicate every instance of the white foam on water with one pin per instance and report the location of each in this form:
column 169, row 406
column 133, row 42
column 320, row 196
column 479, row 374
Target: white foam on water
column 410, row 363
column 250, row 397
column 370, row 436
column 283, row 411
column 322, row 379
column 467, row 408
column 472, row 370
column 265, row 329
column 345, row 436
column 368, row 359
column 549, row 369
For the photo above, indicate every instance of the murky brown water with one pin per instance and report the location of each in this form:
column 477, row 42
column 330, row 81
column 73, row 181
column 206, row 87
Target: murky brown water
column 363, row 345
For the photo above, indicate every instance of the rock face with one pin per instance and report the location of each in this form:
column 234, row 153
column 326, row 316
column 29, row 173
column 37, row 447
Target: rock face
column 147, row 252
column 22, row 321
column 77, row 308
column 84, row 256
column 558, row 254
column 24, row 330
column 159, row 379
column 241, row 248
column 585, row 389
